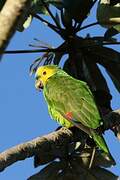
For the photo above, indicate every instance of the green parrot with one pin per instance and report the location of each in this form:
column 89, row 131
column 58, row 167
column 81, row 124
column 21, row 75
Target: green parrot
column 70, row 102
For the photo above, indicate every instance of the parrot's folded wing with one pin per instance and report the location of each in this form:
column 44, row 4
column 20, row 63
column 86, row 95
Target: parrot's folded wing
column 97, row 138
column 76, row 123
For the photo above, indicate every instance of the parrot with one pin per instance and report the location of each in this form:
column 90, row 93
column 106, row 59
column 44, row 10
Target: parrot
column 70, row 102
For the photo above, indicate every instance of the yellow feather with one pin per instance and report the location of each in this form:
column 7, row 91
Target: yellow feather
column 43, row 73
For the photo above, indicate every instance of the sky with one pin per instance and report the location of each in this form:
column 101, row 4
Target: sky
column 23, row 111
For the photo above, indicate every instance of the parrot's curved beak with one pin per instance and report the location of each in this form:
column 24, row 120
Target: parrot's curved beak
column 38, row 85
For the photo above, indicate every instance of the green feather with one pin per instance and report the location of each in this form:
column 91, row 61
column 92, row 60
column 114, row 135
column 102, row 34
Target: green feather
column 65, row 94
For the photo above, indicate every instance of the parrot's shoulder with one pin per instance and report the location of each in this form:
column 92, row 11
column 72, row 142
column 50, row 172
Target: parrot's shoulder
column 62, row 82
column 71, row 95
column 66, row 79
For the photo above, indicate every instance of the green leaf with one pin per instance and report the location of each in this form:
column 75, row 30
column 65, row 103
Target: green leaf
column 75, row 70
column 103, row 174
column 27, row 22
column 57, row 58
column 57, row 18
column 78, row 9
column 93, row 75
column 24, row 22
column 72, row 170
column 114, row 2
column 108, row 16
column 97, row 83
column 66, row 19
column 46, row 158
column 109, row 55
column 110, row 59
column 25, row 19
column 99, row 159
column 109, row 33
column 34, row 7
column 115, row 81
column 114, row 71
column 57, row 3
column 2, row 3
column 37, row 7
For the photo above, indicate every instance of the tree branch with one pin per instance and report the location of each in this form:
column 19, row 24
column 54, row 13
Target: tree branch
column 39, row 145
column 54, row 144
column 89, row 25
column 53, row 27
column 50, row 13
column 8, row 18
column 29, row 51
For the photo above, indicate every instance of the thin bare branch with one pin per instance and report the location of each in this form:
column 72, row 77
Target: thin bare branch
column 53, row 27
column 87, row 26
column 50, row 13
column 28, row 51
column 89, row 44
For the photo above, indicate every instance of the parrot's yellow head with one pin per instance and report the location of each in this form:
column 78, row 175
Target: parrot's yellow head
column 43, row 73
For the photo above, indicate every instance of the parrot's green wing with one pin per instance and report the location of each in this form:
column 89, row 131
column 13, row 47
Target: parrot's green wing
column 68, row 96
column 65, row 94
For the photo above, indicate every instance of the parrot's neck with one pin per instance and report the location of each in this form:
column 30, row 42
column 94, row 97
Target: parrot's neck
column 55, row 75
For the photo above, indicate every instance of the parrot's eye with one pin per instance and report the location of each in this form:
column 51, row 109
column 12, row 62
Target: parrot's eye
column 44, row 73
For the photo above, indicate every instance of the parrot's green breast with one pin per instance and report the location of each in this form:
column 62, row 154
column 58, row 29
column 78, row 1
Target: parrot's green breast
column 65, row 94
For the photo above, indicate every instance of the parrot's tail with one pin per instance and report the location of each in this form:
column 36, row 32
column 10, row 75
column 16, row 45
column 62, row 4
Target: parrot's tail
column 99, row 139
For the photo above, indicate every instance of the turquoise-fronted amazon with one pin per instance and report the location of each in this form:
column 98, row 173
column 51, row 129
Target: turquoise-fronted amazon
column 70, row 102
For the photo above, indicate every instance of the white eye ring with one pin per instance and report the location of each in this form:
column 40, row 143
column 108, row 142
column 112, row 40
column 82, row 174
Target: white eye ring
column 44, row 73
